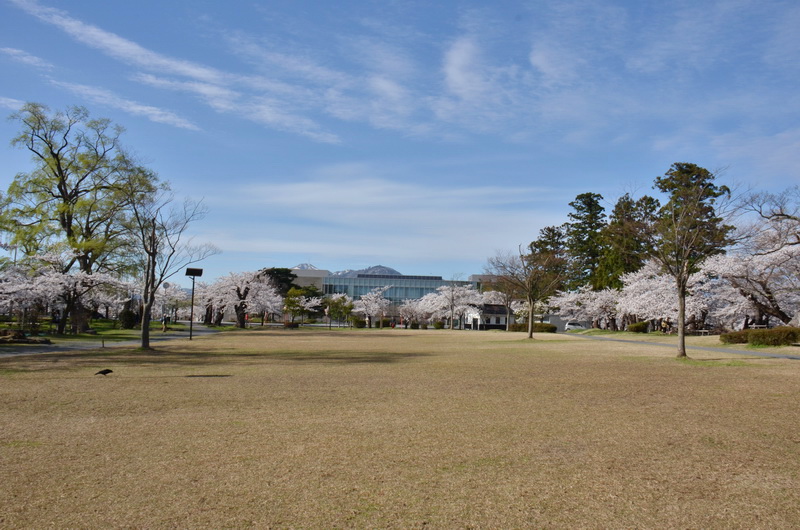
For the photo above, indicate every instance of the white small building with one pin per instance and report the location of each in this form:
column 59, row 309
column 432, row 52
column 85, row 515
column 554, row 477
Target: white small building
column 487, row 316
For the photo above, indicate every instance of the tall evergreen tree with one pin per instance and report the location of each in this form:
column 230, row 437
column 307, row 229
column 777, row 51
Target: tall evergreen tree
column 282, row 278
column 688, row 229
column 625, row 240
column 584, row 242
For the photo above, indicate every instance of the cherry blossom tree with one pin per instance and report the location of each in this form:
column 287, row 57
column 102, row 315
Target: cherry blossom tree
column 651, row 294
column 16, row 291
column 373, row 304
column 211, row 300
column 726, row 308
column 233, row 292
column 410, row 311
column 423, row 310
column 768, row 280
column 310, row 303
column 455, row 300
column 170, row 298
column 53, row 286
column 48, row 289
column 431, row 307
column 598, row 307
column 264, row 298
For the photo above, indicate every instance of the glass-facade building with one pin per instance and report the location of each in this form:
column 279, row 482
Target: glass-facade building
column 402, row 287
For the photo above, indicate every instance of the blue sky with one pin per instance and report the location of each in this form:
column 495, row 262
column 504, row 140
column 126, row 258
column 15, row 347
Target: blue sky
column 419, row 135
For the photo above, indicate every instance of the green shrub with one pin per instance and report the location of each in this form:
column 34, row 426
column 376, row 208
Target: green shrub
column 542, row 327
column 538, row 327
column 438, row 325
column 735, row 337
column 782, row 336
column 638, row 327
column 359, row 323
column 415, row 325
column 128, row 319
column 291, row 325
column 424, row 325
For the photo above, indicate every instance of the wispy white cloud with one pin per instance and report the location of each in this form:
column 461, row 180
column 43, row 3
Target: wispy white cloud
column 356, row 195
column 576, row 70
column 377, row 94
column 292, row 66
column 116, row 46
column 691, row 38
column 462, row 70
column 213, row 86
column 110, row 99
column 26, row 58
column 259, row 109
column 775, row 155
column 783, row 47
column 271, row 112
column 11, row 103
column 374, row 218
column 555, row 65
column 218, row 97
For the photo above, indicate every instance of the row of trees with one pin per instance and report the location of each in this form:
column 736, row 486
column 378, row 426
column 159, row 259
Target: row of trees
column 647, row 260
column 91, row 228
column 254, row 294
column 90, row 218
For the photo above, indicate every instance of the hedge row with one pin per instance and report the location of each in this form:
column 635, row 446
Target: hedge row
column 782, row 336
column 538, row 327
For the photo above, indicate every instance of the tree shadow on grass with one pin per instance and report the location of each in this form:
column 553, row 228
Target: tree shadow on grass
column 346, row 357
column 115, row 358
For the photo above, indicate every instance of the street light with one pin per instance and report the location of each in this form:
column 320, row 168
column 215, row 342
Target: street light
column 193, row 273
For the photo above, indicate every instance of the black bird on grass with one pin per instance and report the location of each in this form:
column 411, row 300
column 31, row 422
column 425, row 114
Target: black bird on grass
column 104, row 372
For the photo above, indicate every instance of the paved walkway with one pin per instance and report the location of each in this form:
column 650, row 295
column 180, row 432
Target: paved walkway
column 753, row 353
column 77, row 345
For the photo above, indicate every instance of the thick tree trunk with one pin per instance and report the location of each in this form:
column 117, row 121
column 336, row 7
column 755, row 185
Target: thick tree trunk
column 61, row 326
column 147, row 312
column 150, row 287
column 681, row 322
column 241, row 313
column 79, row 318
column 530, row 318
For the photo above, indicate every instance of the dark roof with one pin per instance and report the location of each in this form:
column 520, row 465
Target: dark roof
column 398, row 277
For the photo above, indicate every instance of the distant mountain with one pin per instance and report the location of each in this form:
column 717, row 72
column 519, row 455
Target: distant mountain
column 371, row 271
column 305, row 267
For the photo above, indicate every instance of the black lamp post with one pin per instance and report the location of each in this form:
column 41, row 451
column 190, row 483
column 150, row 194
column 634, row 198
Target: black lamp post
column 193, row 273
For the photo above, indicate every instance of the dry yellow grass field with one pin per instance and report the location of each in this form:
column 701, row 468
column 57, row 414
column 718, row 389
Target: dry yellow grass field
column 399, row 429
